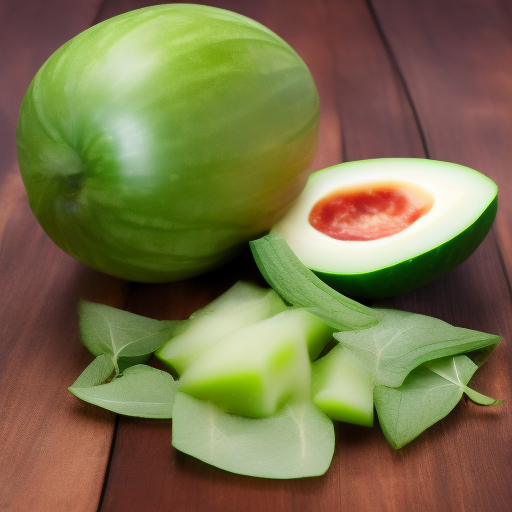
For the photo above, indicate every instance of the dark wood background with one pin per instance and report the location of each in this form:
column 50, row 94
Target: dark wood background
column 397, row 78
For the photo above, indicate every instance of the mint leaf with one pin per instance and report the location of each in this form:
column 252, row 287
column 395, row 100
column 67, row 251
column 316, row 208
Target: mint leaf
column 296, row 442
column 107, row 330
column 291, row 279
column 402, row 341
column 139, row 391
column 425, row 397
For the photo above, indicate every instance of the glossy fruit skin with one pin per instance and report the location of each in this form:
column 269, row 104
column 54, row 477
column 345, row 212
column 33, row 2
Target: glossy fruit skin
column 410, row 274
column 154, row 144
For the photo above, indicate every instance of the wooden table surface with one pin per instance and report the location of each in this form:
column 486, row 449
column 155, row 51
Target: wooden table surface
column 396, row 78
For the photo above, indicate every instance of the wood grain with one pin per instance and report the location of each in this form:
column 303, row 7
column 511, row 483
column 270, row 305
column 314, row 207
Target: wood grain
column 53, row 449
column 456, row 57
column 395, row 78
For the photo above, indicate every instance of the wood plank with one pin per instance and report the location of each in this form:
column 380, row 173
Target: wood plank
column 415, row 477
column 57, row 447
column 31, row 32
column 54, row 450
column 456, row 59
column 459, row 85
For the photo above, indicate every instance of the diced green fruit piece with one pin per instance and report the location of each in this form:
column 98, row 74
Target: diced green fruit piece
column 343, row 387
column 256, row 369
column 315, row 331
column 243, row 304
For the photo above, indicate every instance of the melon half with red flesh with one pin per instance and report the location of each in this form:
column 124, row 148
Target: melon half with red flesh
column 380, row 228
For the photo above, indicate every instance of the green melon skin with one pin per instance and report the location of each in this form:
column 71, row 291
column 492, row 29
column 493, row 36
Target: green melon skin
column 155, row 144
column 412, row 273
column 343, row 388
column 257, row 369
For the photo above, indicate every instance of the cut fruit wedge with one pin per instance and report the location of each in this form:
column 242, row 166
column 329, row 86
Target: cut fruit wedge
column 343, row 387
column 258, row 368
column 243, row 304
column 379, row 228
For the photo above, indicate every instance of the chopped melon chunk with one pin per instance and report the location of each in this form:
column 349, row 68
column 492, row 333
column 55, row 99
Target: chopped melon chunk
column 243, row 304
column 258, row 368
column 316, row 332
column 343, row 387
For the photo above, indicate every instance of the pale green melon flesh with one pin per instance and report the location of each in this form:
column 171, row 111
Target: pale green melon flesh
column 258, row 368
column 243, row 304
column 315, row 332
column 465, row 204
column 343, row 388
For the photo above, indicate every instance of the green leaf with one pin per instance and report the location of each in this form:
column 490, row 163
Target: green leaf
column 125, row 362
column 139, row 391
column 296, row 442
column 425, row 397
column 402, row 341
column 96, row 373
column 301, row 287
column 480, row 399
column 450, row 373
column 107, row 330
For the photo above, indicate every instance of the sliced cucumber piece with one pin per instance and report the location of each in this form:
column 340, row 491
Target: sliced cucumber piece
column 343, row 388
column 258, row 368
column 243, row 304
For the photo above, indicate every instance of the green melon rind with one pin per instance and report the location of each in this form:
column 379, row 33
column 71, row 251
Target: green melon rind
column 417, row 271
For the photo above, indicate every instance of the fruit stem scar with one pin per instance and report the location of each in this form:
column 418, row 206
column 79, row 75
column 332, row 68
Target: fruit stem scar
column 73, row 183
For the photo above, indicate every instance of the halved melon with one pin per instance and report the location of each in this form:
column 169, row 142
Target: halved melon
column 379, row 228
